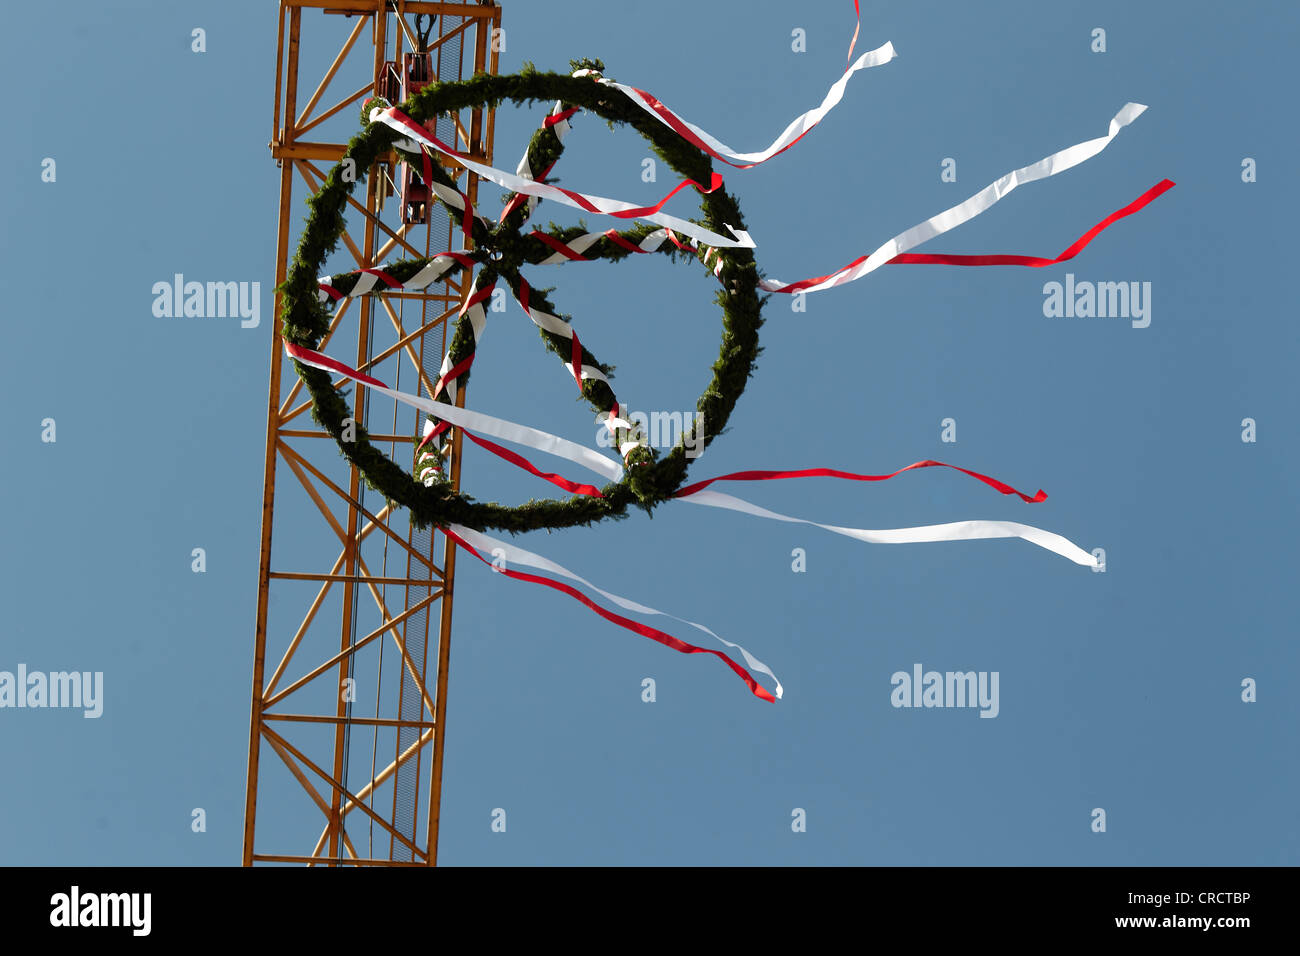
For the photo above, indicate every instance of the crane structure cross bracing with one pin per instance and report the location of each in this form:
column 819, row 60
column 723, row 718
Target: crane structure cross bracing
column 353, row 623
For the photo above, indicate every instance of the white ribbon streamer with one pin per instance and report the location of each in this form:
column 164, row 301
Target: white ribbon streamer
column 484, row 424
column 516, row 555
column 953, row 531
column 1058, row 162
column 797, row 128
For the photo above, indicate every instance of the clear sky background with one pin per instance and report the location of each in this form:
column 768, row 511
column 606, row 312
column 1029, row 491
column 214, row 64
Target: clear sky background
column 1119, row 690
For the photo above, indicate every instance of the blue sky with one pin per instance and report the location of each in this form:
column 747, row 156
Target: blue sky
column 1119, row 691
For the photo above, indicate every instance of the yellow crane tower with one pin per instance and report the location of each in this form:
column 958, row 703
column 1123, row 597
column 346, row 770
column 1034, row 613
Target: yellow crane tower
column 349, row 695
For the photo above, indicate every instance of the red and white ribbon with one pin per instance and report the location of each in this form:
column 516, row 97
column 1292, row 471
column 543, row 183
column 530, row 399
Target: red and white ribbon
column 577, row 369
column 798, row 128
column 520, row 461
column 471, row 420
column 856, row 27
column 480, row 543
column 449, row 374
column 371, row 280
column 473, row 307
column 398, row 120
column 428, row 462
column 557, row 326
column 574, row 249
column 1038, row 262
column 477, row 542
column 953, row 531
column 558, row 123
column 1057, row 162
column 1001, row 486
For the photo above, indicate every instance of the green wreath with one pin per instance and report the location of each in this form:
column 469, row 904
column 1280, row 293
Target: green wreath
column 499, row 251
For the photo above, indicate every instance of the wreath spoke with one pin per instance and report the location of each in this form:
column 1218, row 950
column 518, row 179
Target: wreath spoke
column 403, row 271
column 589, row 374
column 480, row 226
column 557, row 244
column 544, row 150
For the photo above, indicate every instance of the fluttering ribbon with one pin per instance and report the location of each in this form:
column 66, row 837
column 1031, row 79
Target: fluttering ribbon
column 695, row 494
column 476, row 542
column 464, row 418
column 799, row 127
column 856, row 27
column 953, row 531
column 920, row 258
column 574, row 250
column 853, row 476
column 983, row 200
column 519, row 461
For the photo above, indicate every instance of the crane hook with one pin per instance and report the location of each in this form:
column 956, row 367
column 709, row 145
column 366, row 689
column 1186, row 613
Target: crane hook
column 423, row 34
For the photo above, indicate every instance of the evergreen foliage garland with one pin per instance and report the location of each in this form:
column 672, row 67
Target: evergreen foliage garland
column 500, row 251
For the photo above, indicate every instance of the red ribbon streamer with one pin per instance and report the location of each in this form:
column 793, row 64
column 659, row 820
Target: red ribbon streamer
column 311, row 357
column 856, row 27
column 911, row 258
column 520, row 461
column 636, row 627
column 320, row 359
column 852, row 476
column 519, row 198
column 915, row 258
column 685, row 132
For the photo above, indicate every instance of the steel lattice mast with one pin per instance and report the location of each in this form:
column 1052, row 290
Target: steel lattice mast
column 352, row 638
